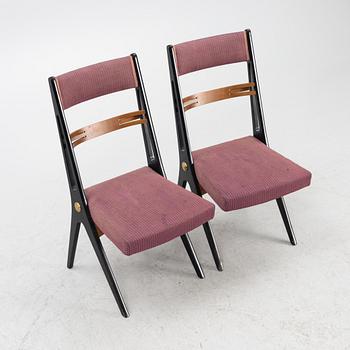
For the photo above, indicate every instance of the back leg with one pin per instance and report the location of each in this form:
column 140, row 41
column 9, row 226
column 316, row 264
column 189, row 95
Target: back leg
column 73, row 240
column 287, row 223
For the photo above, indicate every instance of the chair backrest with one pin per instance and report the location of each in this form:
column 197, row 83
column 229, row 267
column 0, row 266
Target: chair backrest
column 101, row 79
column 210, row 52
column 96, row 80
column 93, row 81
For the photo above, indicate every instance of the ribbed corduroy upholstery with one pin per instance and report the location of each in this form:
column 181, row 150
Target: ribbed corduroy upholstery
column 141, row 209
column 245, row 172
column 96, row 80
column 210, row 52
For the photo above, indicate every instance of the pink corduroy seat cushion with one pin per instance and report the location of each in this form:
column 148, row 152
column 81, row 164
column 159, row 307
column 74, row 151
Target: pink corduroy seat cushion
column 141, row 209
column 245, row 172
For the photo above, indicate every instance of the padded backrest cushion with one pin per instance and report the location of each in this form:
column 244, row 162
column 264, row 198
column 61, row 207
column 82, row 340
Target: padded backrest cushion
column 210, row 52
column 96, row 80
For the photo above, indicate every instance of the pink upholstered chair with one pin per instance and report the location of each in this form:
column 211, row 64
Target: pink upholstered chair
column 138, row 210
column 242, row 172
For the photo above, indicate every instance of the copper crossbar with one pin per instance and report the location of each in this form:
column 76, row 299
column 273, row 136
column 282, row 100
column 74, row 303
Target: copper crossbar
column 106, row 126
column 224, row 93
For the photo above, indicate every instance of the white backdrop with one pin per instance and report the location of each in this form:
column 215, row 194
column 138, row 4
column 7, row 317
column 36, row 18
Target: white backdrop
column 302, row 50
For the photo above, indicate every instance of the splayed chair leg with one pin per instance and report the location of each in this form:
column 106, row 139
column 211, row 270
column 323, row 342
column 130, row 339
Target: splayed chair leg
column 287, row 223
column 213, row 246
column 192, row 254
column 73, row 240
column 102, row 258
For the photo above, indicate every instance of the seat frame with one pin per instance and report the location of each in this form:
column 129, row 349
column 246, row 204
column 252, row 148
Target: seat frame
column 80, row 210
column 187, row 173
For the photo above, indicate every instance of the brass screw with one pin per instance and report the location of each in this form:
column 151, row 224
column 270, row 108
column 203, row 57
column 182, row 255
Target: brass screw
column 77, row 207
column 184, row 166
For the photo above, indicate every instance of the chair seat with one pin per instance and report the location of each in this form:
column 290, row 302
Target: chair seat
column 245, row 172
column 141, row 209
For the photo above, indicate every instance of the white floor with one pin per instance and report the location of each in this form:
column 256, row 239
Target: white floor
column 271, row 295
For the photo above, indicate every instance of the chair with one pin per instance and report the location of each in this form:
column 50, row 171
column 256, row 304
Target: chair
column 138, row 210
column 239, row 173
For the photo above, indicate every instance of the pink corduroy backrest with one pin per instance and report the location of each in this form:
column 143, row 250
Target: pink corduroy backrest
column 96, row 80
column 210, row 52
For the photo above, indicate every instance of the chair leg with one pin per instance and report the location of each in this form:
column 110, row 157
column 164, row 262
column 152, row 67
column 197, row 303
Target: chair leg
column 73, row 240
column 192, row 254
column 207, row 229
column 102, row 258
column 287, row 223
column 213, row 246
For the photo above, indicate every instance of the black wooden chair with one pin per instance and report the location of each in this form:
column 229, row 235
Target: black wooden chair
column 138, row 210
column 239, row 173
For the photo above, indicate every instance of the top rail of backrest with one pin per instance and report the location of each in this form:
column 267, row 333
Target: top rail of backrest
column 209, row 52
column 99, row 79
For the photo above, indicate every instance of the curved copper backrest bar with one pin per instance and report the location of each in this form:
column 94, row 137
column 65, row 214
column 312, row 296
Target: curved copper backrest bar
column 105, row 126
column 224, row 93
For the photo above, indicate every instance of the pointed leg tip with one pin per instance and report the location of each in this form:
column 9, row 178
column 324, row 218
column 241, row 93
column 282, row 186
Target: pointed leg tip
column 200, row 273
column 220, row 266
column 292, row 240
column 125, row 313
